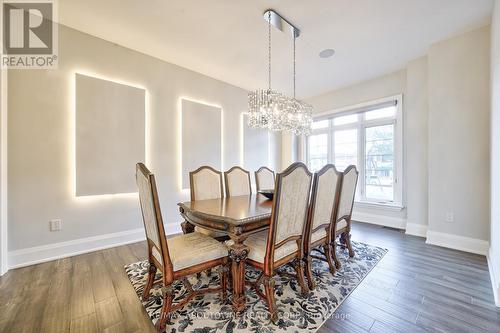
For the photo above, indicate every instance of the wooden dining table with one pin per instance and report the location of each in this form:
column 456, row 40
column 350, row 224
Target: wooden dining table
column 237, row 217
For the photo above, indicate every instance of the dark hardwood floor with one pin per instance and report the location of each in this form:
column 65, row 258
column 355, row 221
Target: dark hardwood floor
column 415, row 288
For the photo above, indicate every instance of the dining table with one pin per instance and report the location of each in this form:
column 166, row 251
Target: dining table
column 237, row 217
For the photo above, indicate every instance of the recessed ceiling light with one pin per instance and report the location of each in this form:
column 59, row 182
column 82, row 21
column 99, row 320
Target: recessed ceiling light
column 326, row 53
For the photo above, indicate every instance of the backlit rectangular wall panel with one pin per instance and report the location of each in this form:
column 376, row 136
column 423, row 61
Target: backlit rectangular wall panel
column 110, row 135
column 201, row 137
column 255, row 147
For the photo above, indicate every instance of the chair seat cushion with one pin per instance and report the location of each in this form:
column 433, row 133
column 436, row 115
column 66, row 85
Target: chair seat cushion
column 341, row 225
column 193, row 249
column 257, row 244
column 318, row 234
column 209, row 232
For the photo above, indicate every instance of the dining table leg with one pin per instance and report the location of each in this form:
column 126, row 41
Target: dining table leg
column 238, row 253
column 187, row 227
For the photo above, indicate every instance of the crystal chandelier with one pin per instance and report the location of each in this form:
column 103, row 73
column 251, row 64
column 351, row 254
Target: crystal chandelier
column 276, row 111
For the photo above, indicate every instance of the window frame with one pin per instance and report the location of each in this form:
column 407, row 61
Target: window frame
column 361, row 125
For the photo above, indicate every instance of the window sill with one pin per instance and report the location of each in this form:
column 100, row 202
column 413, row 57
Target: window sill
column 393, row 207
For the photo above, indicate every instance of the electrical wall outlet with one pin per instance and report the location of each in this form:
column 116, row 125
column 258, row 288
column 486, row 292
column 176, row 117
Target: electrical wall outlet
column 55, row 225
column 450, row 217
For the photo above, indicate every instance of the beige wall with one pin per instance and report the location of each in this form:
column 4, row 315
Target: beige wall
column 40, row 140
column 494, row 255
column 459, row 113
column 415, row 132
column 387, row 85
column 3, row 171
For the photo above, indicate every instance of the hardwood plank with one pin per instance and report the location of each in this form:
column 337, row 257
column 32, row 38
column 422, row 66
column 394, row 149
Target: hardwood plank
column 347, row 313
column 134, row 314
column 57, row 314
column 82, row 298
column 407, row 312
column 102, row 286
column 85, row 324
column 117, row 328
column 30, row 314
column 379, row 327
column 346, row 324
column 393, row 320
column 140, row 250
column 108, row 313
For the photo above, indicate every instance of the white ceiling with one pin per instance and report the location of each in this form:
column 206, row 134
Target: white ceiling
column 227, row 39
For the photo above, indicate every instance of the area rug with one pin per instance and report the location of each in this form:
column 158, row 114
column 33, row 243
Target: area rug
column 206, row 314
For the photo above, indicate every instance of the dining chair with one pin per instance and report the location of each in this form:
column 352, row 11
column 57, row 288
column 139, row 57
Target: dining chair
column 264, row 179
column 205, row 183
column 237, row 181
column 344, row 211
column 176, row 257
column 282, row 243
column 321, row 218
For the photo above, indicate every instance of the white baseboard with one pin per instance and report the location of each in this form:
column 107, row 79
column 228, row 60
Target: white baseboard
column 392, row 222
column 493, row 265
column 44, row 253
column 415, row 229
column 466, row 244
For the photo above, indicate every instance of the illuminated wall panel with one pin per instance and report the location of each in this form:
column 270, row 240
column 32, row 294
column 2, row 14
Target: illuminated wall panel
column 201, row 137
column 255, row 147
column 109, row 135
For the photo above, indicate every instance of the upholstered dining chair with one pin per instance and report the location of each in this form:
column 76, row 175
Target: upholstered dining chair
column 176, row 257
column 283, row 242
column 344, row 211
column 264, row 179
column 206, row 183
column 321, row 218
column 237, row 181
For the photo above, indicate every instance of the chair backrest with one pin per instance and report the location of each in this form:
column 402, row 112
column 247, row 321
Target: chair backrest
column 290, row 206
column 153, row 222
column 264, row 179
column 324, row 198
column 237, row 181
column 347, row 193
column 205, row 183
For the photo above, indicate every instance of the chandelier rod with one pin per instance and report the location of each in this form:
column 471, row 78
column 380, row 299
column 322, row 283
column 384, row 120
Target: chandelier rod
column 269, row 47
column 294, row 65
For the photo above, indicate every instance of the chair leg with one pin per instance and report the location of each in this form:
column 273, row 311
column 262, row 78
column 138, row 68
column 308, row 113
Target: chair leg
column 299, row 268
column 310, row 279
column 269, row 290
column 168, row 295
column 329, row 258
column 151, row 280
column 348, row 243
column 334, row 254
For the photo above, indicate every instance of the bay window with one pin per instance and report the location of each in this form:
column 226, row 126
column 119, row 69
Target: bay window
column 368, row 136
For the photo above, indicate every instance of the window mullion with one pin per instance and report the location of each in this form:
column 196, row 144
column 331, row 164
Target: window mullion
column 331, row 151
column 361, row 159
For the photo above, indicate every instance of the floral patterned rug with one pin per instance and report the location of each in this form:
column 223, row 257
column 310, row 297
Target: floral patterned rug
column 206, row 314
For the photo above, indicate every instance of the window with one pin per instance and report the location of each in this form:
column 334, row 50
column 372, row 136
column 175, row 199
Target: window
column 368, row 136
column 318, row 151
column 379, row 162
column 345, row 149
